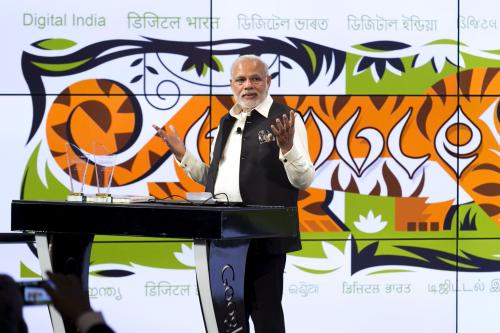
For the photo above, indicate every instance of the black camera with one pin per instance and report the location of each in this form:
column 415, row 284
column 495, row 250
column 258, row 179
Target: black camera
column 33, row 293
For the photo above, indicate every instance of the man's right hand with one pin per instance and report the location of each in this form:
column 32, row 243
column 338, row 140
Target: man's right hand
column 173, row 141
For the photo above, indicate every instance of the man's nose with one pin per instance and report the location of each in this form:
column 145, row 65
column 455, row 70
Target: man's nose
column 247, row 84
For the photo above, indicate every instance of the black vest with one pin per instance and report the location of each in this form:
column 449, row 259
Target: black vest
column 262, row 176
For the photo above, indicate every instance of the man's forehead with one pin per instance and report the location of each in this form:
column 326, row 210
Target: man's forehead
column 248, row 67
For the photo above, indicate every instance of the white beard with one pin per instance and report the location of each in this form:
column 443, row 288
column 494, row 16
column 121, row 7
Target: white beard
column 250, row 105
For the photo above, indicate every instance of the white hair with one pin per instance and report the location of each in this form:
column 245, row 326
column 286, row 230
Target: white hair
column 249, row 57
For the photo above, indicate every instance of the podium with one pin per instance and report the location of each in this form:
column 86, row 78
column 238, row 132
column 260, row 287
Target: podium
column 64, row 232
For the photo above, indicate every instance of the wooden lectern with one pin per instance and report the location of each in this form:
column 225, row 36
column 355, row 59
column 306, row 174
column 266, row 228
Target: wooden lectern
column 64, row 232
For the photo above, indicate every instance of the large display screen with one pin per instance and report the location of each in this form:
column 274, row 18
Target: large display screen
column 401, row 226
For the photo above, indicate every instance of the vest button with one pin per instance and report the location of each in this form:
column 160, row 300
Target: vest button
column 285, row 160
column 242, row 157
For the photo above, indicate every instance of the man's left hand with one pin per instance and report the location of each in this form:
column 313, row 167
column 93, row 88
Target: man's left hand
column 284, row 131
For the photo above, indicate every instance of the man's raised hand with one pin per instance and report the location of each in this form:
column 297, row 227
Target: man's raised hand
column 173, row 141
column 284, row 131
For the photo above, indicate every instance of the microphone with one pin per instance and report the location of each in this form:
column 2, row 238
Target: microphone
column 239, row 130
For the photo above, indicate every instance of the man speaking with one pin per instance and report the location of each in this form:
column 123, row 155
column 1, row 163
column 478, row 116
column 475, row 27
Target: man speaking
column 260, row 157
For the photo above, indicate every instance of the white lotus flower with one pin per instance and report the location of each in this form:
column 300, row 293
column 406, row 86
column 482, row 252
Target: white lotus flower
column 186, row 257
column 438, row 55
column 370, row 224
